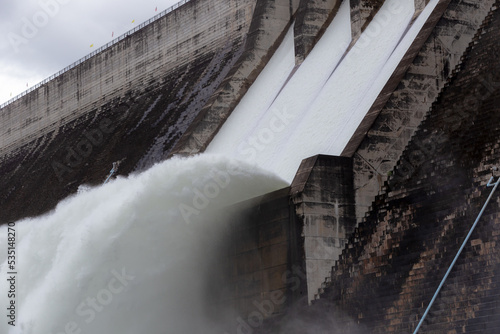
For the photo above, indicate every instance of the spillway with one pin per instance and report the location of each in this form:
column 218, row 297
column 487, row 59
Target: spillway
column 321, row 103
column 148, row 252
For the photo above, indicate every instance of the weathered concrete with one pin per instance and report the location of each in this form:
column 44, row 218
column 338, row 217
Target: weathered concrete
column 323, row 195
column 362, row 13
column 135, row 64
column 312, row 19
column 134, row 129
column 419, row 6
column 397, row 257
column 400, row 111
column 395, row 78
column 156, row 88
column 270, row 22
column 257, row 255
column 286, row 242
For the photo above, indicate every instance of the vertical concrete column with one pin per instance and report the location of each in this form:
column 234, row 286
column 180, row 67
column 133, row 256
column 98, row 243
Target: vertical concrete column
column 323, row 195
column 362, row 13
column 312, row 19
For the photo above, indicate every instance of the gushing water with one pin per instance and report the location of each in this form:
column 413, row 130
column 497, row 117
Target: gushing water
column 132, row 256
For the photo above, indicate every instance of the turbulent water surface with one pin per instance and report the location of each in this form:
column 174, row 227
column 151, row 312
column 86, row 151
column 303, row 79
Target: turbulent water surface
column 132, row 256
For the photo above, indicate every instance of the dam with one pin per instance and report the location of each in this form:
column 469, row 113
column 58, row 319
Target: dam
column 360, row 136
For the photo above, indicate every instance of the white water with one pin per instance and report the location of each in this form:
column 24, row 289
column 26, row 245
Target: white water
column 135, row 225
column 134, row 256
column 320, row 107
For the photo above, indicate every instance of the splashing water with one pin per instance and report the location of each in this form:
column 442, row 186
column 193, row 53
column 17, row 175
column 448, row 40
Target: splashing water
column 132, row 256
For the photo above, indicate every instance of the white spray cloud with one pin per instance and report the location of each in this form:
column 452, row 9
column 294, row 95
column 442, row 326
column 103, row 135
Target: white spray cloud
column 121, row 258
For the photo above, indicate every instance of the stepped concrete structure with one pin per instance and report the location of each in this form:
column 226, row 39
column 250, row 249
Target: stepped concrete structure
column 357, row 242
column 401, row 250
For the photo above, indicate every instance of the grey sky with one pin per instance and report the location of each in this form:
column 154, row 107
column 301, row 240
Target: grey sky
column 40, row 37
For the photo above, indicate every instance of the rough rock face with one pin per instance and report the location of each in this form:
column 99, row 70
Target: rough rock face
column 398, row 255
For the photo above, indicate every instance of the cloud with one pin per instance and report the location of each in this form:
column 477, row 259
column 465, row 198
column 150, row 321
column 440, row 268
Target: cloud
column 41, row 37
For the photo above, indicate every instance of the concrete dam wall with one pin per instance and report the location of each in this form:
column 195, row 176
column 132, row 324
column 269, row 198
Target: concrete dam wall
column 409, row 238
column 357, row 242
column 134, row 65
column 132, row 102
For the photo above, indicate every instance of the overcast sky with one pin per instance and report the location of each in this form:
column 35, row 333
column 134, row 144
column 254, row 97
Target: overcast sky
column 41, row 37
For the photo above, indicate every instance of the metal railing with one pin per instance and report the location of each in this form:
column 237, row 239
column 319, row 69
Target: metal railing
column 93, row 53
column 490, row 184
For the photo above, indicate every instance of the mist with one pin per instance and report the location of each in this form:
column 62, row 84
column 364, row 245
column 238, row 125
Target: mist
column 137, row 255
